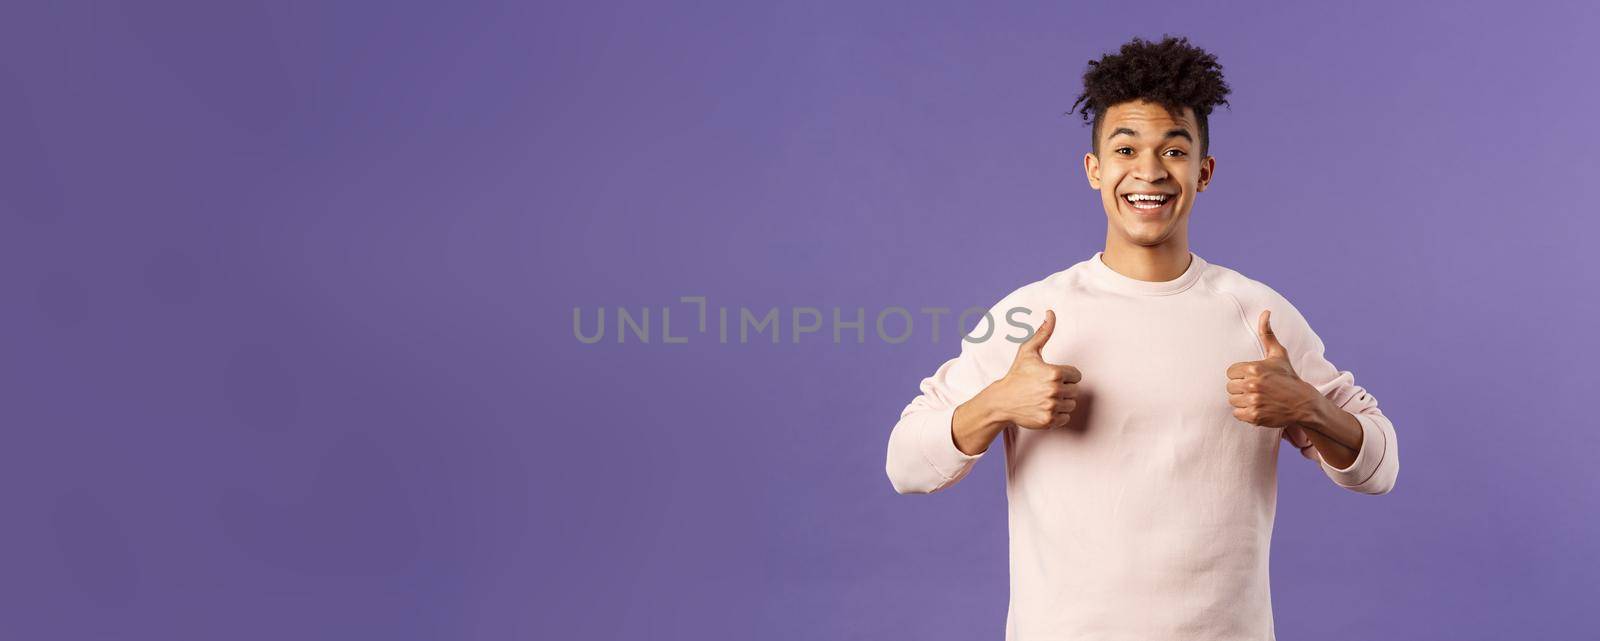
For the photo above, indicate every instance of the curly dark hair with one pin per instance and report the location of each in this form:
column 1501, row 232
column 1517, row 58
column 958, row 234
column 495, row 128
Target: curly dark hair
column 1171, row 73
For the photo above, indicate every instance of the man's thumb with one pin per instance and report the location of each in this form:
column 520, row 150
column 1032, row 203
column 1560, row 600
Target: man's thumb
column 1042, row 335
column 1269, row 341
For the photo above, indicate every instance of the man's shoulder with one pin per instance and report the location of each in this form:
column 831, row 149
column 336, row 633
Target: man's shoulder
column 1254, row 295
column 1250, row 292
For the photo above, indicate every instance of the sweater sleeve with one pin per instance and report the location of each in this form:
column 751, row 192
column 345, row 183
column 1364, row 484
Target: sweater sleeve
column 923, row 457
column 1377, row 463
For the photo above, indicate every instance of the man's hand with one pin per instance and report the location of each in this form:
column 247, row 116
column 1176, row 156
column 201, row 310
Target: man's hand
column 1269, row 393
column 1034, row 394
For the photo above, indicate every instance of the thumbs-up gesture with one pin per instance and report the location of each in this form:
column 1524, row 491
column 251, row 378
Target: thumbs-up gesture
column 1034, row 394
column 1268, row 392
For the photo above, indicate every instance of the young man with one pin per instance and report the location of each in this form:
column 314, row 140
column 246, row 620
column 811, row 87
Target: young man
column 1141, row 420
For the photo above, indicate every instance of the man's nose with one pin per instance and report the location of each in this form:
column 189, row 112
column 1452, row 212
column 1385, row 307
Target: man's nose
column 1150, row 169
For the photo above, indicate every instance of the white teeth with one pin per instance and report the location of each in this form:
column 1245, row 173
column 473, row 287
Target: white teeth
column 1146, row 201
column 1160, row 198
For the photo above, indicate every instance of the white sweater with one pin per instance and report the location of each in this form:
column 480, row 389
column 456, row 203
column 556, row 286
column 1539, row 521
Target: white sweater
column 1149, row 516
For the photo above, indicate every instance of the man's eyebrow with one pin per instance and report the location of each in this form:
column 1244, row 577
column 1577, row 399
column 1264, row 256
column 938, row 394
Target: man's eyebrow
column 1173, row 133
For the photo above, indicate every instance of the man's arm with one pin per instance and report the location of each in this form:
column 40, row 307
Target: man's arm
column 945, row 430
column 974, row 425
column 1372, row 465
column 923, row 455
column 1354, row 441
column 1335, row 434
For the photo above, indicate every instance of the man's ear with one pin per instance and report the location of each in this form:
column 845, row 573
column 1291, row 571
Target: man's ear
column 1091, row 168
column 1208, row 166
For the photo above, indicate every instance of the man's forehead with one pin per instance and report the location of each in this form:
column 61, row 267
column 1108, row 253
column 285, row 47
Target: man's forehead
column 1143, row 116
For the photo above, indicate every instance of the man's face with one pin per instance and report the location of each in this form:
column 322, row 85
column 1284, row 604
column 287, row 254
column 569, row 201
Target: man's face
column 1146, row 151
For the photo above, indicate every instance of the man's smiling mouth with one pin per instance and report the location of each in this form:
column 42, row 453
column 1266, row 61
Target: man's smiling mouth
column 1149, row 202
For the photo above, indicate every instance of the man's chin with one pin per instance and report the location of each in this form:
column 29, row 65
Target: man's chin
column 1147, row 234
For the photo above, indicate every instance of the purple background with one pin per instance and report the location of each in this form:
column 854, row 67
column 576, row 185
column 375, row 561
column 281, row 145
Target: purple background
column 288, row 347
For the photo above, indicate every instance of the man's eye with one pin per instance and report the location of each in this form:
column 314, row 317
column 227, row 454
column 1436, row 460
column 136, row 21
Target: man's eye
column 1180, row 152
column 1122, row 149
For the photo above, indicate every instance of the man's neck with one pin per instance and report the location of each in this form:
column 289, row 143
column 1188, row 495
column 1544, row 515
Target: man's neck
column 1157, row 263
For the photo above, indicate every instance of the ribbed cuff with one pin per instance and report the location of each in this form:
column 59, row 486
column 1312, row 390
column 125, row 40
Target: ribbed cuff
column 1373, row 444
column 939, row 445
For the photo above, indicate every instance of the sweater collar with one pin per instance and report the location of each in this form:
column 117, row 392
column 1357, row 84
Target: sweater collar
column 1116, row 281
